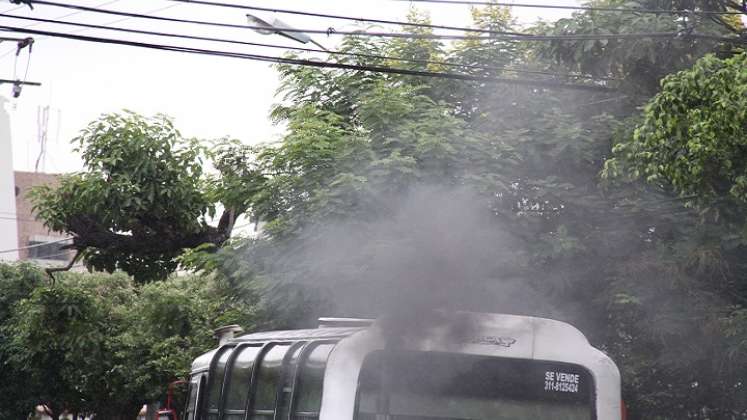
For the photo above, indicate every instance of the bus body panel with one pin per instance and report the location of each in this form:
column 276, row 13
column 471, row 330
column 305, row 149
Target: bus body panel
column 495, row 335
column 506, row 336
column 553, row 342
column 202, row 363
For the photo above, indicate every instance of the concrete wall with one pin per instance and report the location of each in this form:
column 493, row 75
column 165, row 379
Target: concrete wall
column 8, row 215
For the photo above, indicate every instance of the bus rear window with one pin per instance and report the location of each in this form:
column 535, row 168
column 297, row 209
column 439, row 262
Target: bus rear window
column 406, row 385
column 268, row 378
column 238, row 381
column 310, row 383
column 196, row 383
column 216, row 382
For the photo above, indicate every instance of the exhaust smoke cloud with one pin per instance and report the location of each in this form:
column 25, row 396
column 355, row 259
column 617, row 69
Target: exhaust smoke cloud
column 435, row 250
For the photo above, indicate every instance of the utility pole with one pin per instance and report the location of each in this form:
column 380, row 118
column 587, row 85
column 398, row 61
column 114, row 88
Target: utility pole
column 22, row 43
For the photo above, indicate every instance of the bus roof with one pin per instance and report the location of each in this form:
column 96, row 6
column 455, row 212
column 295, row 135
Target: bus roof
column 311, row 334
column 513, row 335
column 307, row 334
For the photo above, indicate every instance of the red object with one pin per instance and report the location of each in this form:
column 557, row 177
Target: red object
column 624, row 410
column 169, row 412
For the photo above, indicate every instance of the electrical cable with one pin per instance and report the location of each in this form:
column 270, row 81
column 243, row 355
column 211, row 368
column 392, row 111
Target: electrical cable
column 17, row 83
column 343, row 53
column 7, row 53
column 159, row 9
column 583, row 8
column 13, row 9
column 28, row 64
column 522, row 37
column 20, row 219
column 339, row 17
column 106, row 3
column 617, row 98
column 312, row 63
column 35, row 246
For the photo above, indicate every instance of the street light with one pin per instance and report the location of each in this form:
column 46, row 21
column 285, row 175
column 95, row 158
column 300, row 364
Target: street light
column 277, row 26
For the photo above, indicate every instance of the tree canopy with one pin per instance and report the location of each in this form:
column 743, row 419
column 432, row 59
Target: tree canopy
column 144, row 197
column 692, row 137
column 100, row 344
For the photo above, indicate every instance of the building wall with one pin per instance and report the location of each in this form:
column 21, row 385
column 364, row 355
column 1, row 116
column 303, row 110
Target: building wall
column 32, row 232
column 8, row 227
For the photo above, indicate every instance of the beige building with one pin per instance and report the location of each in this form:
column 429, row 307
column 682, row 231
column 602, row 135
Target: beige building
column 35, row 241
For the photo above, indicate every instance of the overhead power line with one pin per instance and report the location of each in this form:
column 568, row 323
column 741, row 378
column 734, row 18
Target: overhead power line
column 105, row 3
column 77, row 12
column 13, row 9
column 20, row 219
column 350, row 18
column 584, row 8
column 312, row 63
column 35, row 246
column 341, row 53
column 508, row 37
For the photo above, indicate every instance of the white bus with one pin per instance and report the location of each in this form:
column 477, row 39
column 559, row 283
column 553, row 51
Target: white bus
column 502, row 367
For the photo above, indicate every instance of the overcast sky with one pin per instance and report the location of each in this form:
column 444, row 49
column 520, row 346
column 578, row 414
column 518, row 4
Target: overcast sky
column 208, row 97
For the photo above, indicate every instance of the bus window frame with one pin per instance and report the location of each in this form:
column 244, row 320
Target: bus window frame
column 283, row 369
column 211, row 377
column 227, row 375
column 200, row 400
column 249, row 409
column 307, row 347
column 201, row 384
column 302, row 357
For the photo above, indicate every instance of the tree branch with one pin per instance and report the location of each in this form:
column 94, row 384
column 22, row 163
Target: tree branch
column 51, row 270
column 227, row 221
column 88, row 233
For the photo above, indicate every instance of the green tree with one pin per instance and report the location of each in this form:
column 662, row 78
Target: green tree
column 144, row 196
column 100, row 344
column 16, row 283
column 640, row 62
column 692, row 138
column 689, row 142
